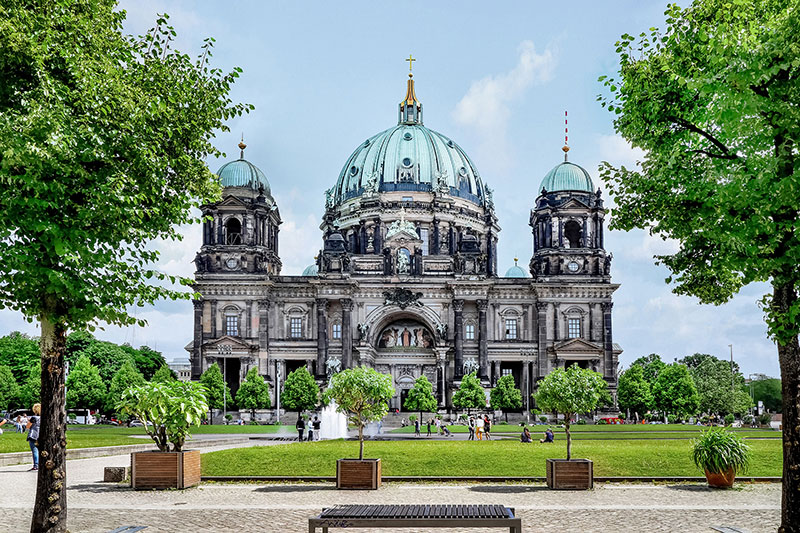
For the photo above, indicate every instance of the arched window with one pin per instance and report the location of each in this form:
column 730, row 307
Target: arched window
column 572, row 231
column 233, row 231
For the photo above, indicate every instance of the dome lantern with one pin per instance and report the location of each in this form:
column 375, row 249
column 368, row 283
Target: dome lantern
column 410, row 108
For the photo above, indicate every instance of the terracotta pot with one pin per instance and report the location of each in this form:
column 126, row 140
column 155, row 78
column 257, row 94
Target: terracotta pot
column 723, row 480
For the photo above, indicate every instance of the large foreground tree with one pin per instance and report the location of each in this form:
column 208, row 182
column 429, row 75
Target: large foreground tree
column 103, row 143
column 712, row 101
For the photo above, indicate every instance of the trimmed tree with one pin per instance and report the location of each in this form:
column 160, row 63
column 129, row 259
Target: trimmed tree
column 9, row 390
column 126, row 377
column 633, row 391
column 30, row 391
column 652, row 365
column 300, row 391
column 253, row 393
column 505, row 395
column 19, row 352
column 712, row 102
column 104, row 139
column 363, row 395
column 85, row 387
column 570, row 392
column 163, row 375
column 470, row 394
column 675, row 393
column 217, row 391
column 420, row 397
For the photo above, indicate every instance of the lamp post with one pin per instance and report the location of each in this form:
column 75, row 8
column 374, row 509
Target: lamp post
column 224, row 389
column 526, row 354
column 278, row 390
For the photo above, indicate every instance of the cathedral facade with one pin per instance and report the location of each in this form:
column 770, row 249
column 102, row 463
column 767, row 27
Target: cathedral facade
column 406, row 281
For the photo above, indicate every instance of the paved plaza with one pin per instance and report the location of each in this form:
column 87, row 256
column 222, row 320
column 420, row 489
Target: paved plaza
column 96, row 507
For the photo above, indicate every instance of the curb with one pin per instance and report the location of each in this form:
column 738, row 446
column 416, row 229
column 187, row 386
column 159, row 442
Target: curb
column 16, row 458
column 485, row 479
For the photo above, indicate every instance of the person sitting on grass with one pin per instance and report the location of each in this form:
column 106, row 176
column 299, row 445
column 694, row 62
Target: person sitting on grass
column 526, row 435
column 548, row 436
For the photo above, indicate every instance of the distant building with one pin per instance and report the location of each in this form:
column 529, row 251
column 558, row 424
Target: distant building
column 182, row 367
column 407, row 280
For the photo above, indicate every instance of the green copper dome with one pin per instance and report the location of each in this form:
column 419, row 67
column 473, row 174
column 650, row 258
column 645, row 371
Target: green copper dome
column 516, row 271
column 311, row 270
column 243, row 173
column 567, row 176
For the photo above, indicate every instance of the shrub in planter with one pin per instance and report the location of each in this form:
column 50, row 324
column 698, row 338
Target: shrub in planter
column 721, row 454
column 729, row 418
column 570, row 392
column 765, row 419
column 363, row 395
column 602, row 422
column 543, row 419
column 167, row 411
column 747, row 420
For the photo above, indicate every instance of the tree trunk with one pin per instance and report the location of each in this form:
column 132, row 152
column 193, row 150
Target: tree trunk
column 50, row 507
column 784, row 297
column 569, row 437
column 360, row 442
column 506, row 415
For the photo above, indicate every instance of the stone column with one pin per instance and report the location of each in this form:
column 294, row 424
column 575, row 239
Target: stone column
column 213, row 319
column 496, row 373
column 608, row 346
column 248, row 319
column 443, row 386
column 220, row 235
column 197, row 353
column 263, row 324
column 458, row 336
column 435, row 240
column 541, row 320
column 483, row 340
column 377, row 241
column 524, row 386
column 322, row 337
column 347, row 334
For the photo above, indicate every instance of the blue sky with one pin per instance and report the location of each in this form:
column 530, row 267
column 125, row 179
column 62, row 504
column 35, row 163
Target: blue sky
column 496, row 77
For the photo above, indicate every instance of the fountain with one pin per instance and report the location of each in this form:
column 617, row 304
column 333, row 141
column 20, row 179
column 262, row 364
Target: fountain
column 333, row 424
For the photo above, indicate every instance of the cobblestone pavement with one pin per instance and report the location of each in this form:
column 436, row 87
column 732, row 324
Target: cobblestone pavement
column 96, row 507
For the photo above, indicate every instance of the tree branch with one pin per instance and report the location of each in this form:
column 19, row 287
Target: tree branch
column 716, row 142
column 715, row 156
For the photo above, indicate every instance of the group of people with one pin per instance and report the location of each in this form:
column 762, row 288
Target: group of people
column 549, row 436
column 31, row 425
column 313, row 428
column 480, row 427
column 438, row 423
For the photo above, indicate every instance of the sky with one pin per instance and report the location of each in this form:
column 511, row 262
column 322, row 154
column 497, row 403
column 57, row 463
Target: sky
column 494, row 76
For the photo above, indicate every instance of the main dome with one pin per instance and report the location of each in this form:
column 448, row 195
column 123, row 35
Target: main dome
column 409, row 157
column 567, row 176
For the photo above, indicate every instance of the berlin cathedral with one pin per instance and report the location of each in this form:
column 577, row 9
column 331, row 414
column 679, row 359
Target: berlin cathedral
column 406, row 280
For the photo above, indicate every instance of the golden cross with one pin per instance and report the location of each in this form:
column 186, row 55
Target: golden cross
column 410, row 59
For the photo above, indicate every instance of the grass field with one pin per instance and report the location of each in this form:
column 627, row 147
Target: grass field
column 94, row 436
column 473, row 458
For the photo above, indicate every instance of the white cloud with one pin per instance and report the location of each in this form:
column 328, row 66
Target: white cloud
column 618, row 151
column 486, row 107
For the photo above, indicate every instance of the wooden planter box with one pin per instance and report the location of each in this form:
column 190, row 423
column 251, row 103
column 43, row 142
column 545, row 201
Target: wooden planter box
column 358, row 473
column 575, row 474
column 165, row 470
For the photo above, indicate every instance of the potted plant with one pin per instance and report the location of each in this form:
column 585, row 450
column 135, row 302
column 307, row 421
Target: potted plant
column 363, row 395
column 721, row 455
column 167, row 411
column 570, row 392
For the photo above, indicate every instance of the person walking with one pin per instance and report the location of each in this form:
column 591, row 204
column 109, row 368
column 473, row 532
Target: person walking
column 487, row 427
column 479, row 427
column 438, row 426
column 416, row 428
column 429, row 427
column 300, row 426
column 33, row 434
column 310, row 432
column 471, row 426
column 316, row 425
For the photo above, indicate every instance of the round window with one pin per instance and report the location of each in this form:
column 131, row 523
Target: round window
column 407, row 136
column 462, row 171
column 406, row 162
column 353, row 170
column 573, row 266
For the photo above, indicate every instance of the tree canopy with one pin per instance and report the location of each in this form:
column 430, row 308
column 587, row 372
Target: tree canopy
column 85, row 388
column 674, row 391
column 505, row 395
column 253, row 393
column 300, row 391
column 19, row 352
column 9, row 390
column 633, row 391
column 163, row 375
column 362, row 394
column 718, row 387
column 420, row 397
column 712, row 101
column 652, row 365
column 470, row 394
column 767, row 390
column 215, row 387
column 126, row 377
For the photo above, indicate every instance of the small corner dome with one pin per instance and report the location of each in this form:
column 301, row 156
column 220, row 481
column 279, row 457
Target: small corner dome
column 243, row 173
column 567, row 176
column 311, row 270
column 516, row 271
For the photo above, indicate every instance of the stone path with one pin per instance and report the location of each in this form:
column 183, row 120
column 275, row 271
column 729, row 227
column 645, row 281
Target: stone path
column 96, row 507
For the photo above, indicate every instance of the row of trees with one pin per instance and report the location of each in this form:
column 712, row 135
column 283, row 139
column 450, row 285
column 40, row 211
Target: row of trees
column 96, row 369
column 700, row 383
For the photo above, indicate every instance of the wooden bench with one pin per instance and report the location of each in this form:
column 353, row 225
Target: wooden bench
column 375, row 516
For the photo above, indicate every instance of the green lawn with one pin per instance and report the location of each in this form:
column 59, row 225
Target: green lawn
column 94, row 436
column 465, row 458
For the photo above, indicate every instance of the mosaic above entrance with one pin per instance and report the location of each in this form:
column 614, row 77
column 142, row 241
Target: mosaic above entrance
column 405, row 334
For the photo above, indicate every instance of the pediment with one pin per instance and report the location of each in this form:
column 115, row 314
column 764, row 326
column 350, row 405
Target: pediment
column 577, row 347
column 403, row 236
column 573, row 203
column 232, row 201
column 226, row 343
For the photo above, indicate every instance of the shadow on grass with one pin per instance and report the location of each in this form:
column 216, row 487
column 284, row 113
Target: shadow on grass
column 508, row 489
column 294, row 488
